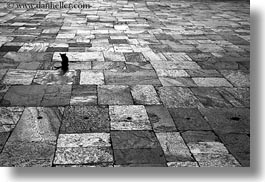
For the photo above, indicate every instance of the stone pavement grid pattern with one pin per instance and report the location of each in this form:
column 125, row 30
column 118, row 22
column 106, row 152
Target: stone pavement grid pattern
column 151, row 83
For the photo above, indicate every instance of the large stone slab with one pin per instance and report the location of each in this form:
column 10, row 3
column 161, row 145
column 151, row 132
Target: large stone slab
column 85, row 119
column 130, row 117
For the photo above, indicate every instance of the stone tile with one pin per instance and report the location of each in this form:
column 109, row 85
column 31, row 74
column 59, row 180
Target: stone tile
column 80, row 56
column 210, row 48
column 34, row 47
column 172, row 73
column 24, row 95
column 216, row 160
column 3, row 90
column 174, row 65
column 212, row 82
column 130, row 117
column 82, row 155
column 134, row 57
column 207, row 147
column 188, row 119
column 160, row 119
column 174, row 147
column 238, row 78
column 10, row 115
column 174, row 97
column 134, row 140
column 84, row 140
column 139, row 156
column 203, row 73
column 3, row 138
column 57, row 95
column 138, row 66
column 145, row 95
column 84, row 95
column 238, row 97
column 91, row 77
column 2, row 74
column 210, row 97
column 239, row 146
column 182, row 164
column 37, row 125
column 118, row 41
column 114, row 95
column 19, row 77
column 74, row 65
column 85, row 119
column 147, row 77
column 27, row 154
column 141, row 165
column 228, row 120
column 199, row 136
column 51, row 77
column 113, row 66
column 181, row 82
column 114, row 56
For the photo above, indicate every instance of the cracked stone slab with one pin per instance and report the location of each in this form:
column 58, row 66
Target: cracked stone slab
column 146, row 77
column 228, row 120
column 131, row 117
column 210, row 97
column 57, row 95
column 189, row 119
column 238, row 78
column 79, row 56
column 84, row 95
column 19, row 77
column 114, row 95
column 133, row 139
column 139, row 156
column 145, row 95
column 212, row 82
column 91, row 77
column 24, row 95
column 174, row 148
column 174, row 97
column 160, row 118
column 85, row 119
column 83, row 155
column 48, row 77
column 37, row 124
column 84, row 140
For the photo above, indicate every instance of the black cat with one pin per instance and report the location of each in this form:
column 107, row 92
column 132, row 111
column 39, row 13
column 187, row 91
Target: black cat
column 65, row 64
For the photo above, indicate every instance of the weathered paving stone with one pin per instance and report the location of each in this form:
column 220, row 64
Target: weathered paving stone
column 27, row 154
column 212, row 82
column 207, row 147
column 74, row 65
column 113, row 66
column 134, row 57
column 9, row 116
column 239, row 146
column 3, row 138
column 199, row 136
column 19, row 77
column 114, row 56
column 174, row 147
column 118, row 41
column 130, row 117
column 160, row 119
column 188, row 119
column 34, row 47
column 173, row 65
column 104, row 164
column 141, row 165
column 133, row 139
column 238, row 78
column 171, row 73
column 182, row 164
column 145, row 95
column 82, row 155
column 2, row 74
column 228, row 120
column 3, row 90
column 80, row 56
column 138, row 66
column 210, row 97
column 91, row 77
column 203, row 73
column 84, row 95
column 181, row 82
column 175, row 97
column 147, row 77
column 238, row 97
column 26, row 95
column 48, row 77
column 139, row 156
column 210, row 48
column 114, row 95
column 84, row 140
column 57, row 95
column 85, row 119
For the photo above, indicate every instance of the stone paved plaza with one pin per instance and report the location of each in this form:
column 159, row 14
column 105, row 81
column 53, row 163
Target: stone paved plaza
column 150, row 84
